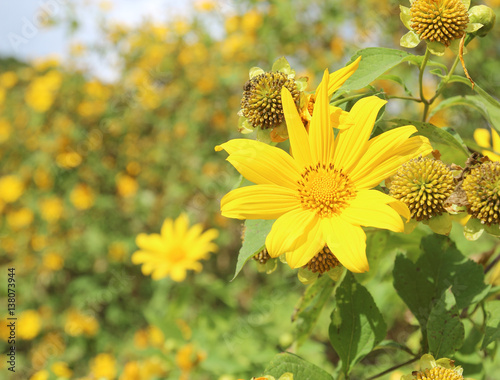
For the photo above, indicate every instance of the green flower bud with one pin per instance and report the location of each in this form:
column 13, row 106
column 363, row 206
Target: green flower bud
column 483, row 15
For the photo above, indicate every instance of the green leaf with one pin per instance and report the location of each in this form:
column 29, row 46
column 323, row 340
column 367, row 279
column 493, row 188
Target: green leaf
column 469, row 355
column 254, row 238
column 445, row 331
column 492, row 332
column 374, row 62
column 397, row 79
column 441, row 265
column 301, row 369
column 451, row 149
column 409, row 40
column 357, row 325
column 310, row 306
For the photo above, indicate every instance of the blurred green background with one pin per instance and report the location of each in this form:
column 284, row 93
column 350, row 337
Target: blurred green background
column 87, row 164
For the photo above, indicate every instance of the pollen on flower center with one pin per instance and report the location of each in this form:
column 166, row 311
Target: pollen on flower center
column 439, row 373
column 325, row 190
column 439, row 20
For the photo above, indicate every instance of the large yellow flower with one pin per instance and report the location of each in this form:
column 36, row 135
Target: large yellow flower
column 483, row 138
column 178, row 249
column 321, row 195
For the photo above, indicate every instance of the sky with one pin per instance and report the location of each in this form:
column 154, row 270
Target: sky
column 23, row 36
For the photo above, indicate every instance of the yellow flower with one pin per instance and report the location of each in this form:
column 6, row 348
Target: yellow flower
column 432, row 369
column 82, row 197
column 484, row 140
column 53, row 261
column 78, row 323
column 40, row 375
column 42, row 91
column 5, row 130
column 28, row 324
column 178, row 249
column 8, row 79
column 103, row 366
column 126, row 186
column 61, row 369
column 18, row 219
column 131, row 371
column 51, row 209
column 11, row 188
column 321, row 195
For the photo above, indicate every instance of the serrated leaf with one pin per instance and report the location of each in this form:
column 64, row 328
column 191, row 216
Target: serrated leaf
column 254, row 238
column 374, row 62
column 492, row 332
column 301, row 369
column 450, row 148
column 441, row 265
column 445, row 331
column 310, row 306
column 357, row 325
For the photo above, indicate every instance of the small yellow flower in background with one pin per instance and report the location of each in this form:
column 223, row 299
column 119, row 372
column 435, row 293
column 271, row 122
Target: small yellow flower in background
column 38, row 242
column 18, row 219
column 78, row 323
column 52, row 345
column 43, row 179
column 42, row 91
column 156, row 336
column 105, row 5
column 5, row 130
column 28, row 324
column 131, row 371
column 491, row 141
column 126, row 185
column 40, row 375
column 51, row 209
column 8, row 79
column 103, row 366
column 117, row 251
column 177, row 249
column 321, row 195
column 441, row 23
column 432, row 369
column 68, row 160
column 82, row 197
column 141, row 339
column 11, row 188
column 53, row 261
column 61, row 369
column 187, row 358
column 205, row 5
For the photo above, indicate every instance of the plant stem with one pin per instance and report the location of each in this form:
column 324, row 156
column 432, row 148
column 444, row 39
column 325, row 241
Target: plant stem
column 404, row 98
column 445, row 80
column 393, row 368
column 420, row 83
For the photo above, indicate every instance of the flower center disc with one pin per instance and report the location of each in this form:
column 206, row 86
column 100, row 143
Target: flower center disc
column 325, row 190
column 439, row 373
column 439, row 20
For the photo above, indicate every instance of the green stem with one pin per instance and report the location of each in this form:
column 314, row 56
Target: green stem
column 420, row 83
column 445, row 80
column 404, row 98
column 393, row 368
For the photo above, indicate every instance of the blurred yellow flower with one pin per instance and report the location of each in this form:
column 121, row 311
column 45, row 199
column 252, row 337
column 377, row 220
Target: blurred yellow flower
column 78, row 323
column 11, row 188
column 187, row 358
column 153, row 367
column 46, row 63
column 131, row 371
column 42, row 91
column 91, row 108
column 133, row 168
column 181, row 27
column 38, row 242
column 103, row 366
column 53, row 261
column 28, row 324
column 82, row 197
column 5, row 130
column 3, row 95
column 51, row 345
column 68, row 160
column 141, row 339
column 251, row 21
column 105, row 5
column 18, row 219
column 51, row 209
column 117, row 251
column 491, row 141
column 126, row 186
column 43, row 179
column 205, row 5
column 40, row 375
column 97, row 90
column 178, row 249
column 156, row 337
column 8, row 79
column 61, row 369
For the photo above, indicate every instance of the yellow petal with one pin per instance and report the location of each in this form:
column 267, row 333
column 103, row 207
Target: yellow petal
column 152, row 242
column 370, row 209
column 338, row 77
column 265, row 164
column 167, row 228
column 181, row 225
column 296, row 130
column 339, row 118
column 385, row 165
column 351, row 143
column 290, row 231
column 496, row 140
column 320, row 132
column 313, row 243
column 347, row 242
column 482, row 137
column 259, row 202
